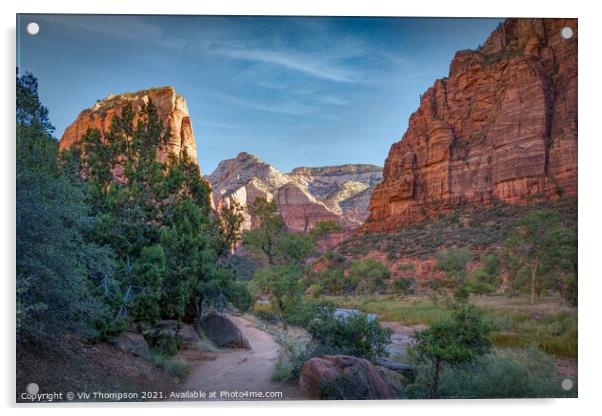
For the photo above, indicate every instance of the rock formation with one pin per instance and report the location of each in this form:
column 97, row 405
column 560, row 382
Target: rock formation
column 171, row 108
column 352, row 377
column 304, row 196
column 223, row 332
column 501, row 126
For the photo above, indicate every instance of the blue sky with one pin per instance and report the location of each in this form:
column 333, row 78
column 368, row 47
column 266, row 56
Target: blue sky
column 294, row 91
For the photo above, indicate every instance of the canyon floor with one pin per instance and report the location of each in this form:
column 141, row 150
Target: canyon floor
column 239, row 370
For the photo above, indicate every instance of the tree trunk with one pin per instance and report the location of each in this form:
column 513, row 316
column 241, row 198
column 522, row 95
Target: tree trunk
column 435, row 386
column 281, row 312
column 533, row 281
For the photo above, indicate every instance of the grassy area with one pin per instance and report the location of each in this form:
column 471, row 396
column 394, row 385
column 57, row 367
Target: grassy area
column 549, row 325
column 175, row 366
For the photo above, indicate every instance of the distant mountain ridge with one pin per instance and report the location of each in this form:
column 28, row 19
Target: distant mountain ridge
column 304, row 196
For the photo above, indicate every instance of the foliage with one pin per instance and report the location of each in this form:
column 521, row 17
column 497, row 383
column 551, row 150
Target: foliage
column 485, row 278
column 239, row 295
column 404, row 286
column 175, row 366
column 454, row 262
column 369, row 275
column 324, row 228
column 294, row 247
column 281, row 283
column 570, row 289
column 303, row 311
column 354, row 334
column 155, row 216
column 62, row 276
column 539, row 248
column 451, row 342
column 486, row 230
column 231, row 220
column 529, row 374
column 162, row 344
column 262, row 240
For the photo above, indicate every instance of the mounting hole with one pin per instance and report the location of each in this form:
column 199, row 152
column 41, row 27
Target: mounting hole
column 33, row 28
column 566, row 32
column 566, row 384
column 32, row 388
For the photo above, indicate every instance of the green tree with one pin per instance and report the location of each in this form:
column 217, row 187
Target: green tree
column 262, row 240
column 541, row 247
column 62, row 277
column 450, row 342
column 281, row 283
column 231, row 220
column 369, row 275
column 145, row 207
column 355, row 334
column 454, row 263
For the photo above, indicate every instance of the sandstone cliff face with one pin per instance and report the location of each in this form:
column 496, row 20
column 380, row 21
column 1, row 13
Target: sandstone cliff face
column 502, row 126
column 304, row 197
column 171, row 108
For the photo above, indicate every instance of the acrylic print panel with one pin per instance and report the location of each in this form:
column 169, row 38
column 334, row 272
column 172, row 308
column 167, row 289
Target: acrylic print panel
column 291, row 208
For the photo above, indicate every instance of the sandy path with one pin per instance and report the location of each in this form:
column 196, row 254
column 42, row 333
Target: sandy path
column 239, row 370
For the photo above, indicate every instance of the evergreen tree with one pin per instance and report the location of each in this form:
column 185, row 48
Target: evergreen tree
column 60, row 273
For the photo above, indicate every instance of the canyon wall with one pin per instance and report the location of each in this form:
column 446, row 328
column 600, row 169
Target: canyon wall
column 501, row 126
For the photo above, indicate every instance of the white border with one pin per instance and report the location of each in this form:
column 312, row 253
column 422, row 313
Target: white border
column 590, row 180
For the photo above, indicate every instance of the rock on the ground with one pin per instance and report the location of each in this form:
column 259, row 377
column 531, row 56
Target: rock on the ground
column 406, row 370
column 169, row 328
column 223, row 332
column 344, row 376
column 132, row 343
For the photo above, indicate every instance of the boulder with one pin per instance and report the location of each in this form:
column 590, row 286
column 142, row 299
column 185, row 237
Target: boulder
column 169, row 328
column 132, row 343
column 406, row 370
column 343, row 377
column 223, row 332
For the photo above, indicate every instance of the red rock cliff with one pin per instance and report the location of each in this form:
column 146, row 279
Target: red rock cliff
column 171, row 108
column 502, row 126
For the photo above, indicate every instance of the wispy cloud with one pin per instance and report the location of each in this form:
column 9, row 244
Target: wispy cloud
column 120, row 27
column 290, row 107
column 310, row 65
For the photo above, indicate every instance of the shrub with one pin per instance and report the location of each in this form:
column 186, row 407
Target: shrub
column 404, row 286
column 453, row 262
column 164, row 345
column 239, row 296
column 174, row 366
column 530, row 374
column 333, row 281
column 570, row 289
column 265, row 311
column 462, row 293
column 369, row 275
column 281, row 283
column 483, row 279
column 356, row 335
column 282, row 370
column 303, row 311
column 451, row 342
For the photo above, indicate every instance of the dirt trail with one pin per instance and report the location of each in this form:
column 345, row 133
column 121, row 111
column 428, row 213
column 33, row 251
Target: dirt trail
column 239, row 370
